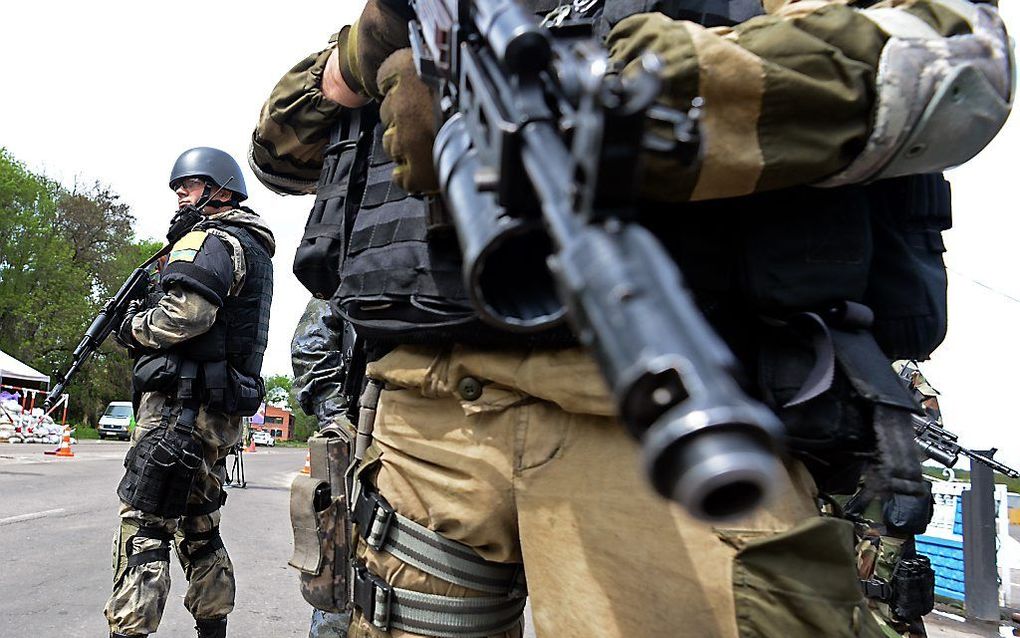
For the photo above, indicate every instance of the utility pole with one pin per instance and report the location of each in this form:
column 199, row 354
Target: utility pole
column 980, row 574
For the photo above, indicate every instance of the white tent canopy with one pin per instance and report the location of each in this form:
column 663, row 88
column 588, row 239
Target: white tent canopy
column 13, row 370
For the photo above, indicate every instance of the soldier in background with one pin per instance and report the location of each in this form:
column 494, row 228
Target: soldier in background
column 898, row 582
column 321, row 361
column 199, row 347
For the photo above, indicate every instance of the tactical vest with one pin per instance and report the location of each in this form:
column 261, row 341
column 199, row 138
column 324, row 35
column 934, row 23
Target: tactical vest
column 769, row 255
column 401, row 273
column 241, row 331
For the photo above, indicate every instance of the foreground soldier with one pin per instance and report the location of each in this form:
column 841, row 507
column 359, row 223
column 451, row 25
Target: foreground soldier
column 492, row 459
column 199, row 348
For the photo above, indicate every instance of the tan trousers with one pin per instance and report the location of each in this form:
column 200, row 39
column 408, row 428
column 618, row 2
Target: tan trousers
column 537, row 470
column 140, row 592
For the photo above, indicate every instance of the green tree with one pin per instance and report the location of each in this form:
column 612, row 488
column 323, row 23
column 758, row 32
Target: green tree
column 62, row 254
column 280, row 388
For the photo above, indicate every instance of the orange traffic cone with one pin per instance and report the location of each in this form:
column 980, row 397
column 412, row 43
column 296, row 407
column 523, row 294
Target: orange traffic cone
column 307, row 469
column 251, row 447
column 65, row 443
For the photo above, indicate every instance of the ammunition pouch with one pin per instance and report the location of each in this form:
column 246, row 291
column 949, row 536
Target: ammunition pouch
column 909, row 515
column 162, row 466
column 320, row 522
column 913, row 588
column 156, row 372
column 230, row 391
column 319, row 255
column 161, row 469
column 220, row 387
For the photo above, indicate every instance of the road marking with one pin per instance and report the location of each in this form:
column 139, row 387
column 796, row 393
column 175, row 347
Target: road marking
column 28, row 517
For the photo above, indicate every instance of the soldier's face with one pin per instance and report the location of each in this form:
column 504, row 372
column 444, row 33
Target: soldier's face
column 189, row 191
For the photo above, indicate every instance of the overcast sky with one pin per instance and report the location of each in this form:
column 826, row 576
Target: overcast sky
column 116, row 90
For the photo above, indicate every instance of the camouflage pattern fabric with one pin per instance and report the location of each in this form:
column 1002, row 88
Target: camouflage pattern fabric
column 316, row 359
column 140, row 592
column 317, row 362
column 293, row 129
column 788, row 96
column 878, row 552
column 925, row 394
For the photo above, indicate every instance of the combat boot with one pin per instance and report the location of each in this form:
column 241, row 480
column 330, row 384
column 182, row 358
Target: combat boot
column 114, row 634
column 214, row 628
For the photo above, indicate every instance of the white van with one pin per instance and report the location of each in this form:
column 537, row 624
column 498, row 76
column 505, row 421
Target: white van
column 118, row 420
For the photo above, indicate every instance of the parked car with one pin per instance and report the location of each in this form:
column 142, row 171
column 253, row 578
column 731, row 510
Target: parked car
column 117, row 421
column 261, row 437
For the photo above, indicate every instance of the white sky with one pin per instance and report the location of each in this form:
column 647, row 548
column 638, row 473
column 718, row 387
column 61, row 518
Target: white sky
column 115, row 90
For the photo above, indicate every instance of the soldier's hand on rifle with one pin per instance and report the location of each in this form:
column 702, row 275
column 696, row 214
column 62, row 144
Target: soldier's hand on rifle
column 408, row 112
column 123, row 334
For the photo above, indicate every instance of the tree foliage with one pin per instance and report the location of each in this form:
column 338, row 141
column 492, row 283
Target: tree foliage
column 280, row 392
column 62, row 254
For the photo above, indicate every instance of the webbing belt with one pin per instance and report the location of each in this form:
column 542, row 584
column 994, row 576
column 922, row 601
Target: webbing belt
column 386, row 530
column 389, row 607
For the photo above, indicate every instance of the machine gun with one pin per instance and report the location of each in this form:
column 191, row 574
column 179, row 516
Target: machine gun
column 538, row 164
column 940, row 445
column 106, row 322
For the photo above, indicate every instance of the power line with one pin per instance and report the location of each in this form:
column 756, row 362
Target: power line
column 984, row 285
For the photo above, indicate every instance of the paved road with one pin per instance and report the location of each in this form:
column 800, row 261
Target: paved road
column 57, row 518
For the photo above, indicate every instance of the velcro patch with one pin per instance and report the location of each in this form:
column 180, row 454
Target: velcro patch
column 187, row 247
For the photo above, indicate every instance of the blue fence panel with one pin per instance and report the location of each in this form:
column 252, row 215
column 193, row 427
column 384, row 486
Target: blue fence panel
column 947, row 560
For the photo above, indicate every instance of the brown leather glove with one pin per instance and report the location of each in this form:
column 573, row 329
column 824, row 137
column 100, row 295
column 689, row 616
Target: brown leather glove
column 379, row 32
column 408, row 113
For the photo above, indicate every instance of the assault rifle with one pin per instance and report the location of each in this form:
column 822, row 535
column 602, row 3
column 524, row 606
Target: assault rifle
column 936, row 442
column 108, row 320
column 112, row 314
column 538, row 165
column 940, row 445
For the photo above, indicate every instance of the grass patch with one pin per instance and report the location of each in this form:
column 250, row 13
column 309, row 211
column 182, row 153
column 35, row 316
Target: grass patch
column 292, row 443
column 82, row 432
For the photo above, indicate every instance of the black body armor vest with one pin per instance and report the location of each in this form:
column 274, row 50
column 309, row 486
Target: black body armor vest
column 401, row 273
column 241, row 331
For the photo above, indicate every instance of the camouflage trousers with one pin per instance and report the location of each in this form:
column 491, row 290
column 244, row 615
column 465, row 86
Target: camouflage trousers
column 537, row 471
column 141, row 585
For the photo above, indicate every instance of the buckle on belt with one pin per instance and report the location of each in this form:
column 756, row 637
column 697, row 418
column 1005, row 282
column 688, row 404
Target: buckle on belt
column 374, row 517
column 373, row 596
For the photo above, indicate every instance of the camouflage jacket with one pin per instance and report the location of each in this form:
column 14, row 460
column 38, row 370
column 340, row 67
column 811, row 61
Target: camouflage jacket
column 814, row 92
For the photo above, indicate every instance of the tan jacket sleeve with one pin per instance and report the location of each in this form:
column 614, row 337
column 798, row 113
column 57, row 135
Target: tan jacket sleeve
column 180, row 315
column 819, row 91
column 293, row 129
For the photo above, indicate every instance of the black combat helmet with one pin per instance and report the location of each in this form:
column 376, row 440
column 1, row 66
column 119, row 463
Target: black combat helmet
column 212, row 164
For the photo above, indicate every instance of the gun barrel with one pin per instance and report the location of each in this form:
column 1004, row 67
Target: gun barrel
column 990, row 462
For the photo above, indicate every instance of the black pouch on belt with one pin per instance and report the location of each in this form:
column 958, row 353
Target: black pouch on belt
column 913, row 588
column 161, row 467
